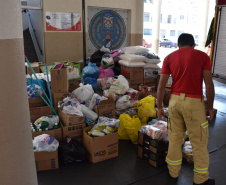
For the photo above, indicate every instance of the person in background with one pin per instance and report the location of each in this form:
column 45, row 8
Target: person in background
column 188, row 67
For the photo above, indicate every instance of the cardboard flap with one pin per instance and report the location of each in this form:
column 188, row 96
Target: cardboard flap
column 105, row 102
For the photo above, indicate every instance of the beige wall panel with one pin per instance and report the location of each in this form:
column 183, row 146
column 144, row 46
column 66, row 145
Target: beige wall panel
column 135, row 39
column 61, row 46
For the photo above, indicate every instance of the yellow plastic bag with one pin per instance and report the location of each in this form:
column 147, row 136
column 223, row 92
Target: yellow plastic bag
column 132, row 127
column 146, row 108
column 122, row 134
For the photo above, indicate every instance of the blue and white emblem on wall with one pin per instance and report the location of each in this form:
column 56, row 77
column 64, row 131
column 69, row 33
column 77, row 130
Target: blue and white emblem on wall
column 107, row 28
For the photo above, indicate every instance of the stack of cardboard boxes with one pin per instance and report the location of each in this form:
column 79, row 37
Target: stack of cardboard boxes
column 151, row 150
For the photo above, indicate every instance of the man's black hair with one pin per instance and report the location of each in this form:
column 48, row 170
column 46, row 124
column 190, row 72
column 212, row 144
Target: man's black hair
column 186, row 39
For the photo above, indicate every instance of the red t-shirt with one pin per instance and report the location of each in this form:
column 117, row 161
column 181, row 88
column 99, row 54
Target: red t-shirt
column 186, row 66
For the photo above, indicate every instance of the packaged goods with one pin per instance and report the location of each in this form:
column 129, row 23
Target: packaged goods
column 131, row 64
column 46, row 143
column 32, row 92
column 150, row 55
column 134, row 50
column 89, row 113
column 104, row 126
column 83, row 93
column 107, row 61
column 47, row 122
column 152, row 61
column 130, row 111
column 146, row 108
column 104, row 83
column 156, row 131
column 90, row 71
column 123, row 103
column 134, row 94
column 132, row 58
column 187, row 152
column 153, row 66
column 105, row 73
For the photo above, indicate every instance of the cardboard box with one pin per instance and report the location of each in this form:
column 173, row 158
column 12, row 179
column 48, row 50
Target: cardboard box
column 151, row 82
column 133, row 73
column 151, row 72
column 35, row 67
column 36, row 102
column 70, row 120
column 100, row 148
column 37, row 112
column 75, row 132
column 134, row 84
column 106, row 108
column 56, row 133
column 58, row 97
column 59, row 80
column 73, row 84
column 46, row 160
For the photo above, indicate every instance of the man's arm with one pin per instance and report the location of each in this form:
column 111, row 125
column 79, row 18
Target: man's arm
column 207, row 76
column 161, row 92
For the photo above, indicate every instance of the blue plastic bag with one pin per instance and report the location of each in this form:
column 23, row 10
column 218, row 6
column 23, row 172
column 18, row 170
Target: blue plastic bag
column 90, row 71
column 91, row 81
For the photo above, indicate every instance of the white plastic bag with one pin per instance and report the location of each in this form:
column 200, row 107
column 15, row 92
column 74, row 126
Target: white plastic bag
column 152, row 61
column 89, row 113
column 119, row 86
column 132, row 58
column 131, row 64
column 187, row 148
column 95, row 100
column 134, row 50
column 83, row 93
column 45, row 143
column 72, row 110
column 123, row 103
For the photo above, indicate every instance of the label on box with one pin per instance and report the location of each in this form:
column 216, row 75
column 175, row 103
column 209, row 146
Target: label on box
column 151, row 73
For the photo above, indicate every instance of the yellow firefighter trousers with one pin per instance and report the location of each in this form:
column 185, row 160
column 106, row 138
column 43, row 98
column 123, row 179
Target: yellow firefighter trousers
column 188, row 113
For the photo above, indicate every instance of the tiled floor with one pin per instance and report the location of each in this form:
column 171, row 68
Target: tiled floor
column 128, row 169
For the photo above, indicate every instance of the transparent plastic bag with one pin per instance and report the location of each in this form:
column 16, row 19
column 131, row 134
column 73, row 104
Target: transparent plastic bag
column 132, row 57
column 119, row 86
column 95, row 100
column 45, row 143
column 156, row 131
column 89, row 113
column 47, row 122
column 131, row 64
column 83, row 93
column 134, row 50
column 123, row 102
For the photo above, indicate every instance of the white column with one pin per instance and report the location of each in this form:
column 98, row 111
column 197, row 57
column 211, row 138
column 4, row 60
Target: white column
column 156, row 25
column 205, row 26
column 16, row 156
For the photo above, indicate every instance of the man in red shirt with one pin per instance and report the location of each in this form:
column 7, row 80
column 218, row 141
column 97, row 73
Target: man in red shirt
column 188, row 68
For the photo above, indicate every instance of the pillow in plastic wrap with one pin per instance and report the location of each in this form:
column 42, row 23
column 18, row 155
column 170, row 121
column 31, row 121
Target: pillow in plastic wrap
column 131, row 64
column 134, row 50
column 132, row 57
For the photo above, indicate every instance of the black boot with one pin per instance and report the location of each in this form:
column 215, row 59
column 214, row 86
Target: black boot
column 208, row 182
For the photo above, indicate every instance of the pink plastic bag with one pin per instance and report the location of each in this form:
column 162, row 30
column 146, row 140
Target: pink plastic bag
column 115, row 54
column 105, row 73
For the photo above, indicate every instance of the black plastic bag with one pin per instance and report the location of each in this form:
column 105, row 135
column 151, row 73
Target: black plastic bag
column 117, row 69
column 96, row 57
column 70, row 151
